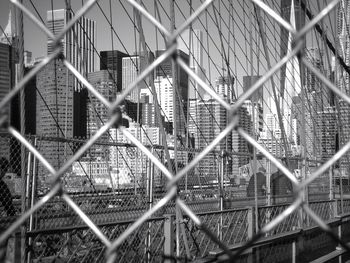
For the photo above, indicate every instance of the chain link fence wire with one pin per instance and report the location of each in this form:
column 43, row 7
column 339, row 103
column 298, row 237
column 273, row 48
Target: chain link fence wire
column 166, row 202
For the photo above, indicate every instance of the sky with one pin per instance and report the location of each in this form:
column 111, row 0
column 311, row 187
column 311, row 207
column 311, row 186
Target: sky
column 35, row 40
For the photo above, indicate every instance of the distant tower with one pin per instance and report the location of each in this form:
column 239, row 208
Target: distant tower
column 191, row 43
column 299, row 15
column 9, row 34
column 84, row 34
column 224, row 87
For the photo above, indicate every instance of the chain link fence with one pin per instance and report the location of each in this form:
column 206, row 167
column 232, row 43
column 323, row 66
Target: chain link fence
column 72, row 203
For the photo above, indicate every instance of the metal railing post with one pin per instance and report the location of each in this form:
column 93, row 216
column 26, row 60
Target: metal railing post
column 150, row 176
column 169, row 237
column 294, row 251
column 221, row 181
column 28, row 195
column 335, row 208
column 268, row 182
column 340, row 235
column 250, row 231
column 250, row 222
column 331, row 192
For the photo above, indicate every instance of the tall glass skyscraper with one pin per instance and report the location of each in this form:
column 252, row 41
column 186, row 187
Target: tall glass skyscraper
column 78, row 49
column 80, row 39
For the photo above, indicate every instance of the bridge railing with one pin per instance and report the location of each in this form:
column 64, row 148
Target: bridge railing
column 155, row 239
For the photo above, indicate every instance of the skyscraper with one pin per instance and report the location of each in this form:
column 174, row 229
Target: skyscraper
column 191, row 43
column 318, row 98
column 78, row 49
column 299, row 19
column 255, row 104
column 164, row 90
column 8, row 59
column 326, row 132
column 80, row 39
column 112, row 60
column 249, row 81
column 239, row 144
column 54, row 112
column 131, row 68
column 255, row 111
column 343, row 78
column 224, row 86
column 212, row 119
column 192, row 124
column 10, row 148
column 7, row 81
column 164, row 72
column 98, row 113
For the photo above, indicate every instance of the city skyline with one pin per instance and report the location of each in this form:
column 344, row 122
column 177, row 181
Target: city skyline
column 120, row 69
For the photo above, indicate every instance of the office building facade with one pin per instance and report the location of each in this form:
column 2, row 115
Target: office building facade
column 78, row 48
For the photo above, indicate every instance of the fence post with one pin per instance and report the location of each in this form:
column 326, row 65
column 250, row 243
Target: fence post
column 250, row 232
column 169, row 237
column 331, row 191
column 221, row 181
column 335, row 208
column 150, row 176
column 294, row 251
column 250, row 222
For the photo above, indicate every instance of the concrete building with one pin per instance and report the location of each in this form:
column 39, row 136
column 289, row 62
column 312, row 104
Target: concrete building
column 273, row 145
